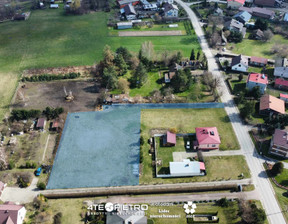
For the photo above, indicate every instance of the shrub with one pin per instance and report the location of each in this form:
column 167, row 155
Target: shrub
column 173, row 130
column 51, row 77
column 58, row 218
column 24, row 179
column 11, row 164
column 41, row 186
column 141, row 140
column 24, row 114
column 223, row 202
column 277, row 168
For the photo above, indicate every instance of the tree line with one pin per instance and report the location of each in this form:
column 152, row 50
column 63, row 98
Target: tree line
column 21, row 114
column 51, row 77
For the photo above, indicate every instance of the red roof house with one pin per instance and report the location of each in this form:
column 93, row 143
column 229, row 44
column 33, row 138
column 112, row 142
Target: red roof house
column 279, row 143
column 256, row 79
column 169, row 139
column 281, row 84
column 10, row 213
column 207, row 138
column 284, row 96
column 235, row 4
column 41, row 123
column 271, row 104
column 257, row 61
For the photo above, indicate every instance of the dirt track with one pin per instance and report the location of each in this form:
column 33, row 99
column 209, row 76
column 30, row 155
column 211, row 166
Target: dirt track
column 149, row 33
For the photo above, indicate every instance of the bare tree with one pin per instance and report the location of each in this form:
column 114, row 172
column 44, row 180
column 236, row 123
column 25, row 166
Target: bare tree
column 215, row 39
column 212, row 82
column 123, row 85
column 147, row 50
column 267, row 35
column 156, row 96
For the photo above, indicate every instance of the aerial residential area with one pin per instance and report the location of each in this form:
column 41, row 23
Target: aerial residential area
column 143, row 112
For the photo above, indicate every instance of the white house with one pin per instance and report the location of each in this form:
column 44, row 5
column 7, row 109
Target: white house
column 130, row 12
column 235, row 4
column 12, row 213
column 170, row 10
column 256, row 79
column 187, row 168
column 281, row 72
column 239, row 63
column 160, row 2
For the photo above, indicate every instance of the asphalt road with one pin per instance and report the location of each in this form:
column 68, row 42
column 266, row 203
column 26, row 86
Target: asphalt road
column 260, row 179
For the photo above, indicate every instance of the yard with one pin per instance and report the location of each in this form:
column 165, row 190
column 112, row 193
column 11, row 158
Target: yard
column 51, row 39
column 256, row 47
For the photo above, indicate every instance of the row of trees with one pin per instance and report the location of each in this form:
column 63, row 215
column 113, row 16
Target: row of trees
column 51, row 77
column 84, row 6
column 21, row 114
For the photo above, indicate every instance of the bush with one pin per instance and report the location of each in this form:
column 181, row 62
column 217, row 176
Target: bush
column 141, row 140
column 50, row 77
column 24, row 179
column 41, row 186
column 29, row 165
column 277, row 168
column 223, row 202
column 24, row 114
column 11, row 164
column 58, row 218
column 173, row 130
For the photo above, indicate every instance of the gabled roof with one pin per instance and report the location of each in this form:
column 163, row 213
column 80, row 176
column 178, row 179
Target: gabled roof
column 239, row 59
column 265, row 2
column 268, row 102
column 258, row 78
column 207, row 135
column 168, row 7
column 9, row 213
column 258, row 33
column 129, row 9
column 281, row 82
column 259, row 60
column 244, row 15
column 284, row 95
column 171, row 137
column 281, row 71
column 239, row 1
column 280, row 138
column 40, row 122
column 233, row 23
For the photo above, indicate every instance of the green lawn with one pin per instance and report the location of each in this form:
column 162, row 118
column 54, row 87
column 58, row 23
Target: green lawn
column 51, row 39
column 237, row 86
column 283, row 178
column 258, row 48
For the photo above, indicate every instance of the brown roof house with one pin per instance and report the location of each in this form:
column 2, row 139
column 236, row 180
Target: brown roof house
column 257, row 61
column 169, row 139
column 41, row 124
column 271, row 105
column 269, row 3
column 11, row 213
column 279, row 143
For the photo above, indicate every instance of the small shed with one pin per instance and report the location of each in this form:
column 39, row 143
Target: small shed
column 41, row 123
column 124, row 25
column 169, row 139
column 54, row 6
column 55, row 126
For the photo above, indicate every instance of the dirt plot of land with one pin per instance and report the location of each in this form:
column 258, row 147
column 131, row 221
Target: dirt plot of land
column 149, row 33
column 41, row 95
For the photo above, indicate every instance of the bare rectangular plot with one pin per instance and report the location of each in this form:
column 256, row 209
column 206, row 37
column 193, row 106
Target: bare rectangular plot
column 149, row 33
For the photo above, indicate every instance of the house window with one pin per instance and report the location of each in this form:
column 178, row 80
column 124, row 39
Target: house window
column 213, row 145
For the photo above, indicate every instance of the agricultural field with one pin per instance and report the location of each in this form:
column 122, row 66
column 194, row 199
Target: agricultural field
column 51, row 39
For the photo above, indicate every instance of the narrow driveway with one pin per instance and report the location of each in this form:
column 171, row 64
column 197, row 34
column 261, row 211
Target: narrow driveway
column 254, row 161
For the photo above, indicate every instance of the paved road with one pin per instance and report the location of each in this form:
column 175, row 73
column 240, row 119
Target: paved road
column 199, row 2
column 21, row 195
column 254, row 161
column 252, row 195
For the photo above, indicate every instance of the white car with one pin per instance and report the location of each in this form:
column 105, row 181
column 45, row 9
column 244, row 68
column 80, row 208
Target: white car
column 188, row 145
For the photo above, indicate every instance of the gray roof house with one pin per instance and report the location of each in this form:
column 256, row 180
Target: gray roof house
column 243, row 17
column 239, row 63
column 258, row 34
column 234, row 25
column 186, row 168
column 126, row 217
column 130, row 12
column 281, row 72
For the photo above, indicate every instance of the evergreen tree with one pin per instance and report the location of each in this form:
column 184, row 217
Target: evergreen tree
column 108, row 56
column 109, row 79
column 139, row 76
column 192, row 55
column 121, row 64
column 198, row 55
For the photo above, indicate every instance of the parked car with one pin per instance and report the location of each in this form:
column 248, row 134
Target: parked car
column 188, row 145
column 38, row 171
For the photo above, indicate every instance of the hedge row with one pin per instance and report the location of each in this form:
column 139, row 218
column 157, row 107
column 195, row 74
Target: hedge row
column 50, row 77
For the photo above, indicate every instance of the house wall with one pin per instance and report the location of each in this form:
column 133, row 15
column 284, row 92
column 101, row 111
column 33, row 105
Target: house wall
column 21, row 215
column 160, row 2
column 234, row 5
column 172, row 13
column 251, row 85
column 281, row 87
column 256, row 63
column 130, row 17
column 278, row 150
column 208, row 146
column 285, row 99
column 239, row 67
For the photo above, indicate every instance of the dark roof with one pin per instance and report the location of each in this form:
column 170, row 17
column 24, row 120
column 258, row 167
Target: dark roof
column 129, row 9
column 168, row 7
column 41, row 122
column 234, row 24
column 9, row 212
column 265, row 2
column 258, row 33
column 236, row 60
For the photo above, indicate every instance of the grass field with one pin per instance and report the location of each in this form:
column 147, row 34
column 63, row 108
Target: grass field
column 258, row 48
column 283, row 178
column 51, row 39
column 185, row 120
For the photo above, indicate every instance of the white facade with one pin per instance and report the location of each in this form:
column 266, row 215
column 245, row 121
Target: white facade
column 240, row 67
column 262, row 87
column 173, row 12
column 160, row 2
column 21, row 215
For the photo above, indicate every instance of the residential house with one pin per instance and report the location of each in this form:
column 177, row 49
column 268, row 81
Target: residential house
column 235, row 25
column 170, row 10
column 257, row 34
column 235, row 4
column 2, row 186
column 281, row 84
column 256, row 79
column 218, row 12
column 269, row 3
column 150, row 7
column 285, row 17
column 124, row 25
column 281, row 72
column 243, row 17
column 257, row 61
column 41, row 123
column 281, row 62
column 169, row 139
column 129, row 216
column 11, row 213
column 259, row 12
column 239, row 63
column 160, row 2
column 123, row 3
column 130, row 12
column 55, row 126
column 186, row 168
column 279, row 143
column 271, row 105
column 168, row 76
column 284, row 96
column 207, row 138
